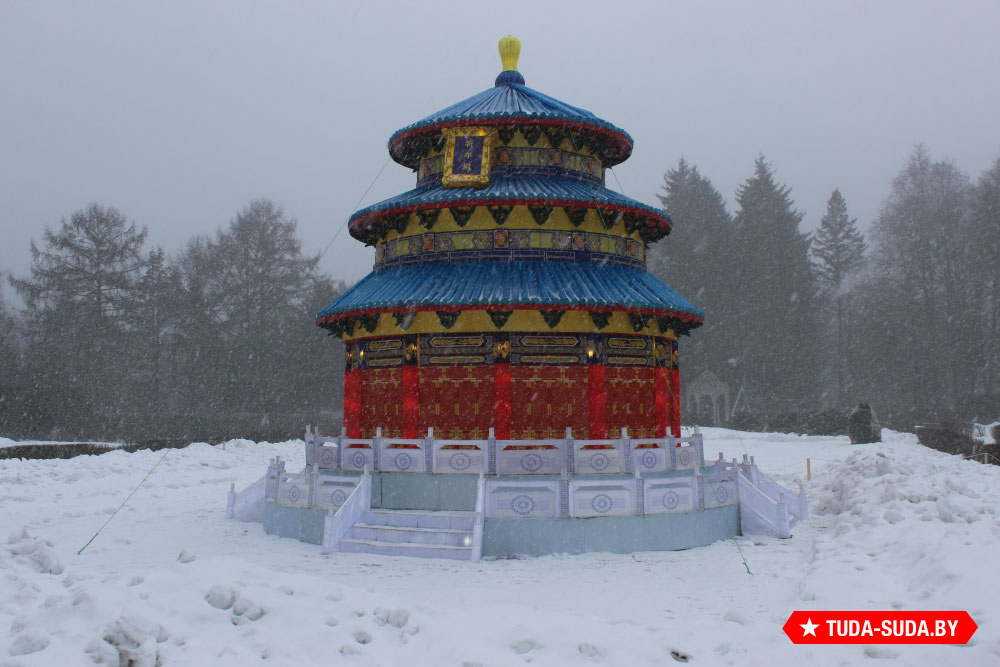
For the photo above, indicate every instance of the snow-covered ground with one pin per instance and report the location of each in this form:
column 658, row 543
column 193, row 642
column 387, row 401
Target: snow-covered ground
column 894, row 526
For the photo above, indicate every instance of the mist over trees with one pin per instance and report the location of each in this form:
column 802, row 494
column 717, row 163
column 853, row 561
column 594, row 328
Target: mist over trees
column 111, row 338
column 117, row 340
column 906, row 320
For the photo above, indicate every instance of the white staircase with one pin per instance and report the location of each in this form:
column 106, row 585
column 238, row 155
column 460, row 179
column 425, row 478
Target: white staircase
column 423, row 534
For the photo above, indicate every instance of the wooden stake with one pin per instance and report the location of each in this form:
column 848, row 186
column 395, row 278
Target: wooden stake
column 808, row 471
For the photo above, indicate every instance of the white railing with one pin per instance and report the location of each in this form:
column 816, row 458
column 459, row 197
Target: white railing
column 338, row 523
column 572, row 486
column 552, row 456
column 477, row 526
column 247, row 505
column 759, row 514
column 797, row 505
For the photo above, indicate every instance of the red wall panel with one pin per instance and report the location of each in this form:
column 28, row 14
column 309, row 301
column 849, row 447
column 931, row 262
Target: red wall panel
column 457, row 401
column 630, row 401
column 382, row 402
column 547, row 399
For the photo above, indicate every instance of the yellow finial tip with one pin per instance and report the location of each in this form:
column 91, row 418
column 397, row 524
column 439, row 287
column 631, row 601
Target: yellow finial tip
column 510, row 49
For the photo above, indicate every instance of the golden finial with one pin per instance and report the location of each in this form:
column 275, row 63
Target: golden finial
column 510, row 49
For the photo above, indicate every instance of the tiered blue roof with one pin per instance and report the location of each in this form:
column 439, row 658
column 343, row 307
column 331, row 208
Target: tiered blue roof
column 552, row 191
column 516, row 103
column 510, row 101
column 486, row 284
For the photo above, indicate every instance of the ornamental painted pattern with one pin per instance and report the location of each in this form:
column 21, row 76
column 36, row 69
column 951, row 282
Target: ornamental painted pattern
column 511, row 245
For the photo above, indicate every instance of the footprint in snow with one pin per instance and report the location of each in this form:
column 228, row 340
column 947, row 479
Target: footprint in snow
column 524, row 646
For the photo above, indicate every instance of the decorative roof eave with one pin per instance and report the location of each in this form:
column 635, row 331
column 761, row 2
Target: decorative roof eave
column 651, row 223
column 486, row 284
column 692, row 321
column 409, row 144
column 370, row 223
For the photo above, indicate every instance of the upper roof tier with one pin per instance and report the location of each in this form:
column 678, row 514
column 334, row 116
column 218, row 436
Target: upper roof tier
column 511, row 103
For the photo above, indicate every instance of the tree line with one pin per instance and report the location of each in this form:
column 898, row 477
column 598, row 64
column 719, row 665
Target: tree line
column 906, row 319
column 116, row 340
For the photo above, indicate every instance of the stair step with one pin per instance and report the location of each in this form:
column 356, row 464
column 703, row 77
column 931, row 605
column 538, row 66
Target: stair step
column 411, row 549
column 409, row 534
column 456, row 520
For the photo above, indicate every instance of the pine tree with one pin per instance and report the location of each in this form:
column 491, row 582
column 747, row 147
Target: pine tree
column 839, row 249
column 774, row 285
column 82, row 280
column 692, row 260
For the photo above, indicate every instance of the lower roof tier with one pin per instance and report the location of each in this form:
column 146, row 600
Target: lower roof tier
column 499, row 285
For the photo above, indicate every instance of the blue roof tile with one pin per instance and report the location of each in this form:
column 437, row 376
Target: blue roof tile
column 497, row 284
column 515, row 102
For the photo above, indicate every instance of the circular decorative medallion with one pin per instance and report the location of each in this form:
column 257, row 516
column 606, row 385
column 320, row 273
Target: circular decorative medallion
column 671, row 500
column 293, row 494
column 599, row 461
column 721, row 493
column 684, row 457
column 326, row 458
column 601, row 503
column 338, row 497
column 358, row 460
column 460, row 461
column 522, row 505
column 648, row 460
column 531, row 462
column 402, row 461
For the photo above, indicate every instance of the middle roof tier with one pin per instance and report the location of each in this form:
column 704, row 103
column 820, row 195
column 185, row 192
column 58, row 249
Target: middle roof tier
column 373, row 223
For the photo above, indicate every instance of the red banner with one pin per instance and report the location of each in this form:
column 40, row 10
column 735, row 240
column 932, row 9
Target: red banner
column 880, row 627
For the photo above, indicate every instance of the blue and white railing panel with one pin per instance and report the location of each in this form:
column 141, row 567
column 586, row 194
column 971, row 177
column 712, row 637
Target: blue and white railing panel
column 293, row 490
column 652, row 454
column 332, row 491
column 357, row 455
column 460, row 456
column 598, row 456
column 670, row 495
column 685, row 457
column 531, row 457
column 522, row 499
column 323, row 451
column 590, row 499
column 718, row 490
column 401, row 455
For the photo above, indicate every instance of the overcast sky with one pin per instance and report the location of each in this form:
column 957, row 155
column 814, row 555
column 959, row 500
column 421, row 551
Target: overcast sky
column 179, row 113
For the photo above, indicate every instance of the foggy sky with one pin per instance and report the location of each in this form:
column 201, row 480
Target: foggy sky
column 180, row 113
